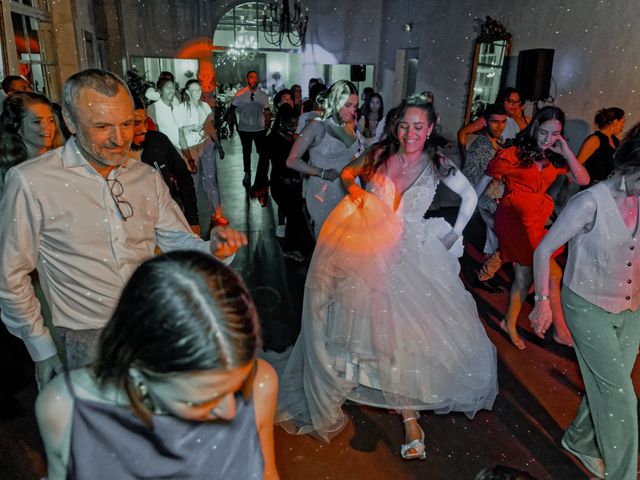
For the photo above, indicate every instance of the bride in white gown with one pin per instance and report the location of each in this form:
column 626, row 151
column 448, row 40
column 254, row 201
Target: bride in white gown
column 386, row 320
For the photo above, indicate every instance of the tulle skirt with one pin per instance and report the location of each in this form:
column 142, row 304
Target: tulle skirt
column 386, row 322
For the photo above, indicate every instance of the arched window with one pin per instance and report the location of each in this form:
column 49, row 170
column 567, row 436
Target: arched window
column 240, row 31
column 242, row 25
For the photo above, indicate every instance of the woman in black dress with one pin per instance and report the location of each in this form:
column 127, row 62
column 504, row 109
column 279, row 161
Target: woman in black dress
column 286, row 184
column 596, row 153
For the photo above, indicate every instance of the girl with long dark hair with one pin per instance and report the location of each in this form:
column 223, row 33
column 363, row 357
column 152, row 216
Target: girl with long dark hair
column 176, row 390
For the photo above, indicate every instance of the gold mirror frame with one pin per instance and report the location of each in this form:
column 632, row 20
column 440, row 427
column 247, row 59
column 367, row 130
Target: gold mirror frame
column 491, row 53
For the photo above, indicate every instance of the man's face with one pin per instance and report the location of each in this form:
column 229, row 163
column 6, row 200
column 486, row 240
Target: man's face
column 19, row 86
column 168, row 92
column 102, row 125
column 496, row 124
column 139, row 128
column 252, row 80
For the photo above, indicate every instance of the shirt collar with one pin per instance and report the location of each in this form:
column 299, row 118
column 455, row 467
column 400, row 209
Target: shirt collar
column 72, row 157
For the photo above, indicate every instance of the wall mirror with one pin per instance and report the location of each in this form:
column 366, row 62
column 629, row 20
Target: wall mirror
column 489, row 67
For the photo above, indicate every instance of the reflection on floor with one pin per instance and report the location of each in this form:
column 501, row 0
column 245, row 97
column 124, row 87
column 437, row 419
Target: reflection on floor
column 539, row 388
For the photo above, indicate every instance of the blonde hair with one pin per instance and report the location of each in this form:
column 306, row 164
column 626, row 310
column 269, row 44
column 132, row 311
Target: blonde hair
column 336, row 97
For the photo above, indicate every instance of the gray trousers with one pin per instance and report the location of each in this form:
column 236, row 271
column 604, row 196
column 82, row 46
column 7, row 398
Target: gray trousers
column 79, row 347
column 207, row 177
column 606, row 425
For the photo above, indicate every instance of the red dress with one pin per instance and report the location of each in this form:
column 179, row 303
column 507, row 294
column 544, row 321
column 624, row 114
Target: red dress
column 525, row 207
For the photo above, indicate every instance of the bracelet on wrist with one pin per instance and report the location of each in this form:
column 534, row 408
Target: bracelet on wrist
column 541, row 298
column 218, row 221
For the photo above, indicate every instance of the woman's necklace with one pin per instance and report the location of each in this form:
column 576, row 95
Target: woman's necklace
column 403, row 163
column 405, row 166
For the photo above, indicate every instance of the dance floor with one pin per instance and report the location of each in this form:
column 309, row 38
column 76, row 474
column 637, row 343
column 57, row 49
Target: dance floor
column 540, row 388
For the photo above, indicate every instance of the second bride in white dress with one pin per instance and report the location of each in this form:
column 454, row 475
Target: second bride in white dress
column 386, row 319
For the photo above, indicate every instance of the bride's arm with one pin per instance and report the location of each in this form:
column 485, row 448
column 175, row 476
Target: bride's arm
column 459, row 184
column 348, row 179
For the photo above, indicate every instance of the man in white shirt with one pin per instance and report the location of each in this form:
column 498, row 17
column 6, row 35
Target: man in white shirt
column 85, row 216
column 252, row 105
column 161, row 112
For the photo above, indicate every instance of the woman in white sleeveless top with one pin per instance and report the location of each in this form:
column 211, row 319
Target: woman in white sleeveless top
column 199, row 141
column 601, row 303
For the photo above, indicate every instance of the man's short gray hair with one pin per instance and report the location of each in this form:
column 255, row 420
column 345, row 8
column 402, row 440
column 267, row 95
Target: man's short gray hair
column 102, row 81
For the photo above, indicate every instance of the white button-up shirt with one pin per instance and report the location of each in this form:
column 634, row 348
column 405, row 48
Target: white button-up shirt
column 58, row 216
column 164, row 118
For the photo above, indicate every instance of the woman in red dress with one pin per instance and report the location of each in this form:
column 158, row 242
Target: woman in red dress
column 538, row 155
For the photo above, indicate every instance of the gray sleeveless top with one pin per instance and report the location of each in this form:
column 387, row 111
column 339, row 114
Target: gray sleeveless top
column 322, row 196
column 110, row 441
column 603, row 264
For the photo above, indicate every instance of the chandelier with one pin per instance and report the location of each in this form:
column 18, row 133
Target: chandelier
column 285, row 20
column 243, row 49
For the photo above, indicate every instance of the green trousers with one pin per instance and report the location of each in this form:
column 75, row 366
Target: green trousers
column 606, row 425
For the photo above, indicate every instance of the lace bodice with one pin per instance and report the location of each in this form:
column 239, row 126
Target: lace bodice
column 415, row 200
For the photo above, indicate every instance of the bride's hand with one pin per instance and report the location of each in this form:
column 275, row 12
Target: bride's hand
column 357, row 194
column 449, row 239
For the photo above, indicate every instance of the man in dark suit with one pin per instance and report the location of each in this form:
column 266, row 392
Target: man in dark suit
column 155, row 149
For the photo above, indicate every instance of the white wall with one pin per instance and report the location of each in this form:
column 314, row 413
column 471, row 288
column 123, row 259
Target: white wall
column 595, row 42
column 595, row 65
column 338, row 32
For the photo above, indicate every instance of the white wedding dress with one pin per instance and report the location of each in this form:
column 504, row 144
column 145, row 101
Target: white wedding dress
column 386, row 319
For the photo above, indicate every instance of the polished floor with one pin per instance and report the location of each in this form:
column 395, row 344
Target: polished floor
column 540, row 388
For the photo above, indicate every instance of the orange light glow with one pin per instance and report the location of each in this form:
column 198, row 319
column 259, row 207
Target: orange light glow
column 373, row 230
column 202, row 49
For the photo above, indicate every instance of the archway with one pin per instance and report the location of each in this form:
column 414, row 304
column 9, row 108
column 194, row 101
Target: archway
column 240, row 32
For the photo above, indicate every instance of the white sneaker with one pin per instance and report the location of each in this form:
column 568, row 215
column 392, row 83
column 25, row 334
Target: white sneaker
column 280, row 229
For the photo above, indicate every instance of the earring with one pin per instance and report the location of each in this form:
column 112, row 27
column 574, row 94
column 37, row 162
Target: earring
column 142, row 389
column 623, row 184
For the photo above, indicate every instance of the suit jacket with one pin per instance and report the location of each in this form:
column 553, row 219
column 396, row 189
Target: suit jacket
column 159, row 153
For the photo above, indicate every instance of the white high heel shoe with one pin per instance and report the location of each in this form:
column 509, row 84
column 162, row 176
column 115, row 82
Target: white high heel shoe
column 416, row 445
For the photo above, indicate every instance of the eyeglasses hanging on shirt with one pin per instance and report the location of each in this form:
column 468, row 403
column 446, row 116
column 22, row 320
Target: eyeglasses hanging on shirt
column 253, row 95
column 124, row 207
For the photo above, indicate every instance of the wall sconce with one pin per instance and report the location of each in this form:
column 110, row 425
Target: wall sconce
column 407, row 27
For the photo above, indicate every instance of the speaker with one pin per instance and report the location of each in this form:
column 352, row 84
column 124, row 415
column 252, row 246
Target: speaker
column 534, row 73
column 358, row 73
